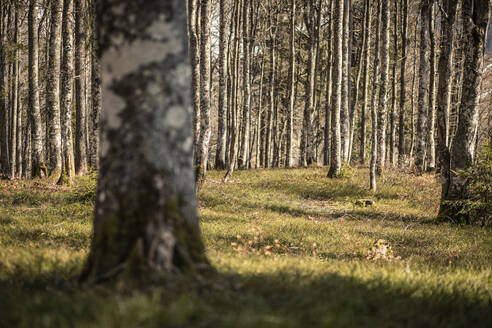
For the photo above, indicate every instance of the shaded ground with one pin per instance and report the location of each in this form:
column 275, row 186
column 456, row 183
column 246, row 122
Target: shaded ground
column 290, row 247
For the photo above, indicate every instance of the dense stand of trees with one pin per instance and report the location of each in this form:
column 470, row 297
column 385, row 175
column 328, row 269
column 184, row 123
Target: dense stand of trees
column 273, row 84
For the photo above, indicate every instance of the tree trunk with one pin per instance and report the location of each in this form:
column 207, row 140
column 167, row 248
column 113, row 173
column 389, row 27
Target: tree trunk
column 475, row 20
column 328, row 105
column 431, row 165
column 335, row 164
column 292, row 71
column 80, row 85
column 423, row 86
column 246, row 117
column 444, row 90
column 53, row 88
column 383, row 87
column 374, row 112
column 95, row 92
column 205, row 131
column 344, row 111
column 365, row 91
column 393, row 87
column 15, row 96
column 68, row 169
column 220, row 158
column 401, row 131
column 34, row 110
column 145, row 223
column 194, row 53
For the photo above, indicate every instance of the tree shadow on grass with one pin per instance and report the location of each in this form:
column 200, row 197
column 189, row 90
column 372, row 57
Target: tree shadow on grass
column 282, row 299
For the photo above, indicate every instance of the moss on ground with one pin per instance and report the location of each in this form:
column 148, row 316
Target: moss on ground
column 290, row 248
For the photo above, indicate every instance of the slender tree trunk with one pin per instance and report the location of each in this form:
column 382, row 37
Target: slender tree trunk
column 53, row 95
column 194, row 53
column 423, row 86
column 4, row 113
column 412, row 99
column 374, row 112
column 401, row 131
column 80, row 85
column 393, row 87
column 34, row 110
column 344, row 111
column 220, row 158
column 383, row 85
column 475, row 20
column 15, row 96
column 205, row 131
column 246, row 117
column 365, row 91
column 335, row 164
column 432, row 95
column 68, row 169
column 328, row 105
column 95, row 92
column 444, row 90
column 292, row 71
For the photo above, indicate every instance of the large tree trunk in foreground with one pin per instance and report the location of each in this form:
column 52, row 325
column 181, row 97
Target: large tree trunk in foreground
column 475, row 20
column 53, row 96
column 336, row 94
column 145, row 219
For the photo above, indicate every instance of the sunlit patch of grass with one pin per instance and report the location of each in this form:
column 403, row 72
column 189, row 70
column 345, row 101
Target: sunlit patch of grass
column 290, row 248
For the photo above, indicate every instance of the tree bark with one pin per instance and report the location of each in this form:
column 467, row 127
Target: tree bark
column 431, row 165
column 475, row 21
column 246, row 117
column 205, row 131
column 53, row 88
column 95, row 92
column 423, row 86
column 383, row 87
column 80, row 85
column 34, row 110
column 145, row 223
column 335, row 164
column 365, row 91
column 401, row 130
column 444, row 90
column 394, row 86
column 292, row 71
column 220, row 158
column 374, row 112
column 344, row 111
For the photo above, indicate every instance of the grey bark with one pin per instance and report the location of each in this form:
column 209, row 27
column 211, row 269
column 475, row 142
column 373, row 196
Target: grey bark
column 292, row 70
column 383, row 87
column 53, row 89
column 374, row 111
column 80, row 85
column 423, row 87
column 432, row 95
column 4, row 111
column 220, row 158
column 246, row 113
column 345, row 94
column 145, row 221
column 95, row 93
column 205, row 132
column 444, row 89
column 194, row 53
column 34, row 110
column 475, row 21
column 365, row 91
column 335, row 164
column 392, row 134
column 401, row 130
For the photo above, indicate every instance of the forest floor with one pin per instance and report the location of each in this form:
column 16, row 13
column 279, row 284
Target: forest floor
column 291, row 247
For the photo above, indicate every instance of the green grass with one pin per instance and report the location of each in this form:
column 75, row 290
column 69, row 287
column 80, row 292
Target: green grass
column 306, row 266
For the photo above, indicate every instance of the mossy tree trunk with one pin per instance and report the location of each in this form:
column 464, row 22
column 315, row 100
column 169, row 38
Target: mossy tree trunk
column 145, row 222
